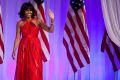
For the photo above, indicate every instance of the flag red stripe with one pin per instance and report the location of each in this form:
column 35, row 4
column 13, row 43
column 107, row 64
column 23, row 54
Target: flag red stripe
column 84, row 12
column 78, row 39
column 1, row 41
column 1, row 23
column 41, row 9
column 104, row 42
column 72, row 43
column 69, row 55
column 117, row 52
column 43, row 56
column 45, row 40
column 1, row 44
column 1, row 61
column 111, row 50
column 111, row 57
column 82, row 30
column 43, row 35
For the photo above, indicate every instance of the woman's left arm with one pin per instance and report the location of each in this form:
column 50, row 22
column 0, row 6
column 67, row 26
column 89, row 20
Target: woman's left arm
column 46, row 27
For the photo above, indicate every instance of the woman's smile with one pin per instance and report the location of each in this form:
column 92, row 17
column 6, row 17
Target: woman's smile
column 28, row 13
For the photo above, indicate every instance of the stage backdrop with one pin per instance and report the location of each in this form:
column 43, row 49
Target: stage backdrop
column 58, row 68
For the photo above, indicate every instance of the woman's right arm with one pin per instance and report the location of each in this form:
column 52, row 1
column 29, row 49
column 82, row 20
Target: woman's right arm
column 17, row 40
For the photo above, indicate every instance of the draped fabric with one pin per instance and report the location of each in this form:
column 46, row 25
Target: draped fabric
column 112, row 51
column 111, row 15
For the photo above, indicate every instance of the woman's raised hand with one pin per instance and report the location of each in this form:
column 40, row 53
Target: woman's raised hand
column 51, row 14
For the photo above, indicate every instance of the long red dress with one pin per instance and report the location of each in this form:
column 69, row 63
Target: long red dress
column 29, row 60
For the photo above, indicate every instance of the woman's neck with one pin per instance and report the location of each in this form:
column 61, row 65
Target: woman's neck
column 28, row 18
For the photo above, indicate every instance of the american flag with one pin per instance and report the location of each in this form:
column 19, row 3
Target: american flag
column 75, row 37
column 1, row 39
column 43, row 36
column 112, row 50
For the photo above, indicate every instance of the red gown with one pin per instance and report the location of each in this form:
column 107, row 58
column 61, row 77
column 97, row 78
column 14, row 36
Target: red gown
column 29, row 59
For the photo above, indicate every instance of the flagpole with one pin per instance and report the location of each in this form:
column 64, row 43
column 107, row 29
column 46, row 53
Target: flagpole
column 74, row 75
column 115, row 76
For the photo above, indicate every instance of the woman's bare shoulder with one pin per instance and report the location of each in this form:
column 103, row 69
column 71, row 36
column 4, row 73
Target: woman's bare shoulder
column 20, row 23
column 38, row 20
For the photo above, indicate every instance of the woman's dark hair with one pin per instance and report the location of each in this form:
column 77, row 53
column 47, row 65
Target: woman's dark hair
column 25, row 6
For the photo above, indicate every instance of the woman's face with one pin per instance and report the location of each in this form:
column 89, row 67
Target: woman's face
column 28, row 13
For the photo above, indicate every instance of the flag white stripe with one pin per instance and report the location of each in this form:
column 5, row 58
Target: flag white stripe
column 0, row 11
column 82, row 17
column 79, row 35
column 45, row 50
column 78, row 30
column 77, row 26
column 71, row 50
column 1, row 53
column 41, row 17
column 76, row 44
column 1, row 36
column 1, row 33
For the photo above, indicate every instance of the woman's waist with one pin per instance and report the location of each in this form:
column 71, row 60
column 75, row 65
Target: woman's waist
column 30, row 39
column 28, row 42
column 29, row 36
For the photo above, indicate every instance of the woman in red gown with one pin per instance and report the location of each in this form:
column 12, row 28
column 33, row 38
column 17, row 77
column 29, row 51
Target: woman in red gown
column 29, row 60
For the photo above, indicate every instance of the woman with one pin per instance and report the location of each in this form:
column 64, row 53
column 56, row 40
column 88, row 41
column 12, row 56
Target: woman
column 29, row 60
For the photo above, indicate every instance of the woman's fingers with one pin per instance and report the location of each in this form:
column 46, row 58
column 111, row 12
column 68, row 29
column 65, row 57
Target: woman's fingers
column 13, row 56
column 51, row 14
